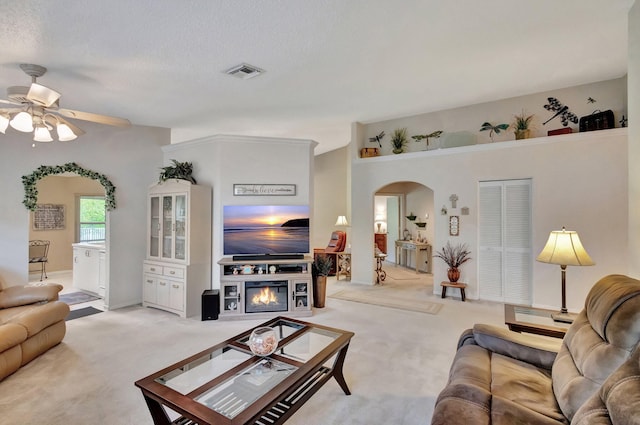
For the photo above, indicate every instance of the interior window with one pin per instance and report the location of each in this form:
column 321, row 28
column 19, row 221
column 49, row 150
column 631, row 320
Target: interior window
column 91, row 218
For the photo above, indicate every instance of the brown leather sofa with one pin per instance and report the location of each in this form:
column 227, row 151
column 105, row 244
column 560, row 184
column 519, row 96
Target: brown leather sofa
column 31, row 322
column 592, row 376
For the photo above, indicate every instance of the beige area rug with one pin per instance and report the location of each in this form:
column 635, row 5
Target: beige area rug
column 382, row 298
column 396, row 273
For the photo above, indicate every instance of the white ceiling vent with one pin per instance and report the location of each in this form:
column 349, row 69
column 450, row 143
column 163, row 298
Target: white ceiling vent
column 244, row 71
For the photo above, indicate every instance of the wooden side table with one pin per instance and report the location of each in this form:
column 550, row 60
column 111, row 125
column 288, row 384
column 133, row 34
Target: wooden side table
column 460, row 286
column 533, row 320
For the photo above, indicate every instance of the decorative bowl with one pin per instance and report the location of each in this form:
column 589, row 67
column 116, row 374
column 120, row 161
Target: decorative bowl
column 263, row 341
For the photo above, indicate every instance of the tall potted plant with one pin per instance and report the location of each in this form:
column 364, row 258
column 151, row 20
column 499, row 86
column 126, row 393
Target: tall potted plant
column 454, row 257
column 321, row 268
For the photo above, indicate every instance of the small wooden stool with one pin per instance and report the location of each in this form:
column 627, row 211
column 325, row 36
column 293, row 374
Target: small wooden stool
column 460, row 286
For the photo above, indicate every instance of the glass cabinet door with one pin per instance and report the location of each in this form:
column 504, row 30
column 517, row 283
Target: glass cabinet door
column 154, row 226
column 167, row 226
column 180, row 227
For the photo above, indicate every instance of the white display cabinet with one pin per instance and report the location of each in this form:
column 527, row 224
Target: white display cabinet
column 177, row 268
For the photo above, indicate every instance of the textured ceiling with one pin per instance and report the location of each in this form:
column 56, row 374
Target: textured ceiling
column 328, row 62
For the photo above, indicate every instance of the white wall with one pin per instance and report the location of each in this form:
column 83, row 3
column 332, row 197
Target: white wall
column 220, row 161
column 579, row 181
column 634, row 140
column 331, row 184
column 130, row 158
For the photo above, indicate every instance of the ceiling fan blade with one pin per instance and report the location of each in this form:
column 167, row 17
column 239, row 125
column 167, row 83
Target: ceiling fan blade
column 88, row 116
column 41, row 95
column 10, row 102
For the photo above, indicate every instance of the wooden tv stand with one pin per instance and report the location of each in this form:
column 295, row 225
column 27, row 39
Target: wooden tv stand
column 234, row 274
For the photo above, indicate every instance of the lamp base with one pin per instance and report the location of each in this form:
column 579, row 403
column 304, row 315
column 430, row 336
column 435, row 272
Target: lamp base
column 563, row 317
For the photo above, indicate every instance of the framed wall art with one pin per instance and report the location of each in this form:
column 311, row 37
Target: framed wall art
column 454, row 225
column 48, row 217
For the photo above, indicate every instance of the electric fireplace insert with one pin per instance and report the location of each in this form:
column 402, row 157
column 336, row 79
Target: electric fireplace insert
column 267, row 296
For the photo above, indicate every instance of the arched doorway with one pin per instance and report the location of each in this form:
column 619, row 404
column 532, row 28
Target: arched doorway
column 403, row 213
column 74, row 193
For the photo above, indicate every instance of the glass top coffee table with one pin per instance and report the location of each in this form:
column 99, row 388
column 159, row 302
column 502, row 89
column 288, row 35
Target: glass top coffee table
column 227, row 384
column 533, row 320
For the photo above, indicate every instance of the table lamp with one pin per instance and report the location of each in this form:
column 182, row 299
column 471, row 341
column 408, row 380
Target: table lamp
column 342, row 221
column 565, row 249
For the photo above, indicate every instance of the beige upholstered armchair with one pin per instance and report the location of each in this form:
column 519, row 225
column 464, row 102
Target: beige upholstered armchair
column 32, row 320
column 592, row 376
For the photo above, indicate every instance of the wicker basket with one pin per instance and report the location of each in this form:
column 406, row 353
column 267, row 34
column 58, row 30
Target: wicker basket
column 369, row 152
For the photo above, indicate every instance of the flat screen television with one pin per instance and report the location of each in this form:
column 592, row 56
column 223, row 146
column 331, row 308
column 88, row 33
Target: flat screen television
column 266, row 229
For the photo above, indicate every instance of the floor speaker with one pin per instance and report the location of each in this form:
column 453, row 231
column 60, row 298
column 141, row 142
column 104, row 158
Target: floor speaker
column 210, row 304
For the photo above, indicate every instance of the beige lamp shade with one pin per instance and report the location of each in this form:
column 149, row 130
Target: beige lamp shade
column 341, row 221
column 564, row 248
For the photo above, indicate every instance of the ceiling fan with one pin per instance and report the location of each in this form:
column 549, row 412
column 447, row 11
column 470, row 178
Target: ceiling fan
column 37, row 109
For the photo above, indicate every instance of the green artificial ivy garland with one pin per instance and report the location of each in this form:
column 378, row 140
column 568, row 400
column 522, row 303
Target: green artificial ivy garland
column 31, row 192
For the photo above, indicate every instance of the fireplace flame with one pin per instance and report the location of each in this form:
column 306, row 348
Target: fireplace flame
column 265, row 297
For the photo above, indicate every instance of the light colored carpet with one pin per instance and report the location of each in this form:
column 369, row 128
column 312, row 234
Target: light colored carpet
column 397, row 363
column 382, row 298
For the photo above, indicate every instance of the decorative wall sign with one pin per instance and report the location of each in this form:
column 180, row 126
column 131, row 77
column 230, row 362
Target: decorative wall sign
column 264, row 189
column 454, row 225
column 48, row 217
column 454, row 199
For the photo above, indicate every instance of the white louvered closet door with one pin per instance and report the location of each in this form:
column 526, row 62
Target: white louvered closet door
column 504, row 258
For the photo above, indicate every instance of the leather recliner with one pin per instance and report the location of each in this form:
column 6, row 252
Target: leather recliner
column 337, row 243
column 592, row 376
column 31, row 322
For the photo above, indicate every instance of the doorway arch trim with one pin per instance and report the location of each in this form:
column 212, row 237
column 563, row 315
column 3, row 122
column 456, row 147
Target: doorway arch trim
column 31, row 191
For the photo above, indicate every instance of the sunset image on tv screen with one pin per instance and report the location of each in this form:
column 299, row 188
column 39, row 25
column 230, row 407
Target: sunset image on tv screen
column 266, row 229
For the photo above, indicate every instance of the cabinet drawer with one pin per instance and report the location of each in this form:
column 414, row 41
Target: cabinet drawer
column 152, row 268
column 176, row 272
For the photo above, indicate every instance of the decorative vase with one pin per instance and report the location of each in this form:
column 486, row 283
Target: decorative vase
column 263, row 341
column 397, row 151
column 319, row 291
column 522, row 134
column 453, row 274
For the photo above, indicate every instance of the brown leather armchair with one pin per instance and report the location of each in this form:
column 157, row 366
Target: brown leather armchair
column 337, row 243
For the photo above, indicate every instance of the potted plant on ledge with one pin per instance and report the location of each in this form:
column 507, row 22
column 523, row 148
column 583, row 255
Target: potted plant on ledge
column 399, row 140
column 321, row 268
column 521, row 125
column 454, row 257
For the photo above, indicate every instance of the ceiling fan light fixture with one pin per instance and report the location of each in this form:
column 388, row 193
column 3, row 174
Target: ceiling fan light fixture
column 42, row 134
column 22, row 122
column 4, row 123
column 65, row 134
